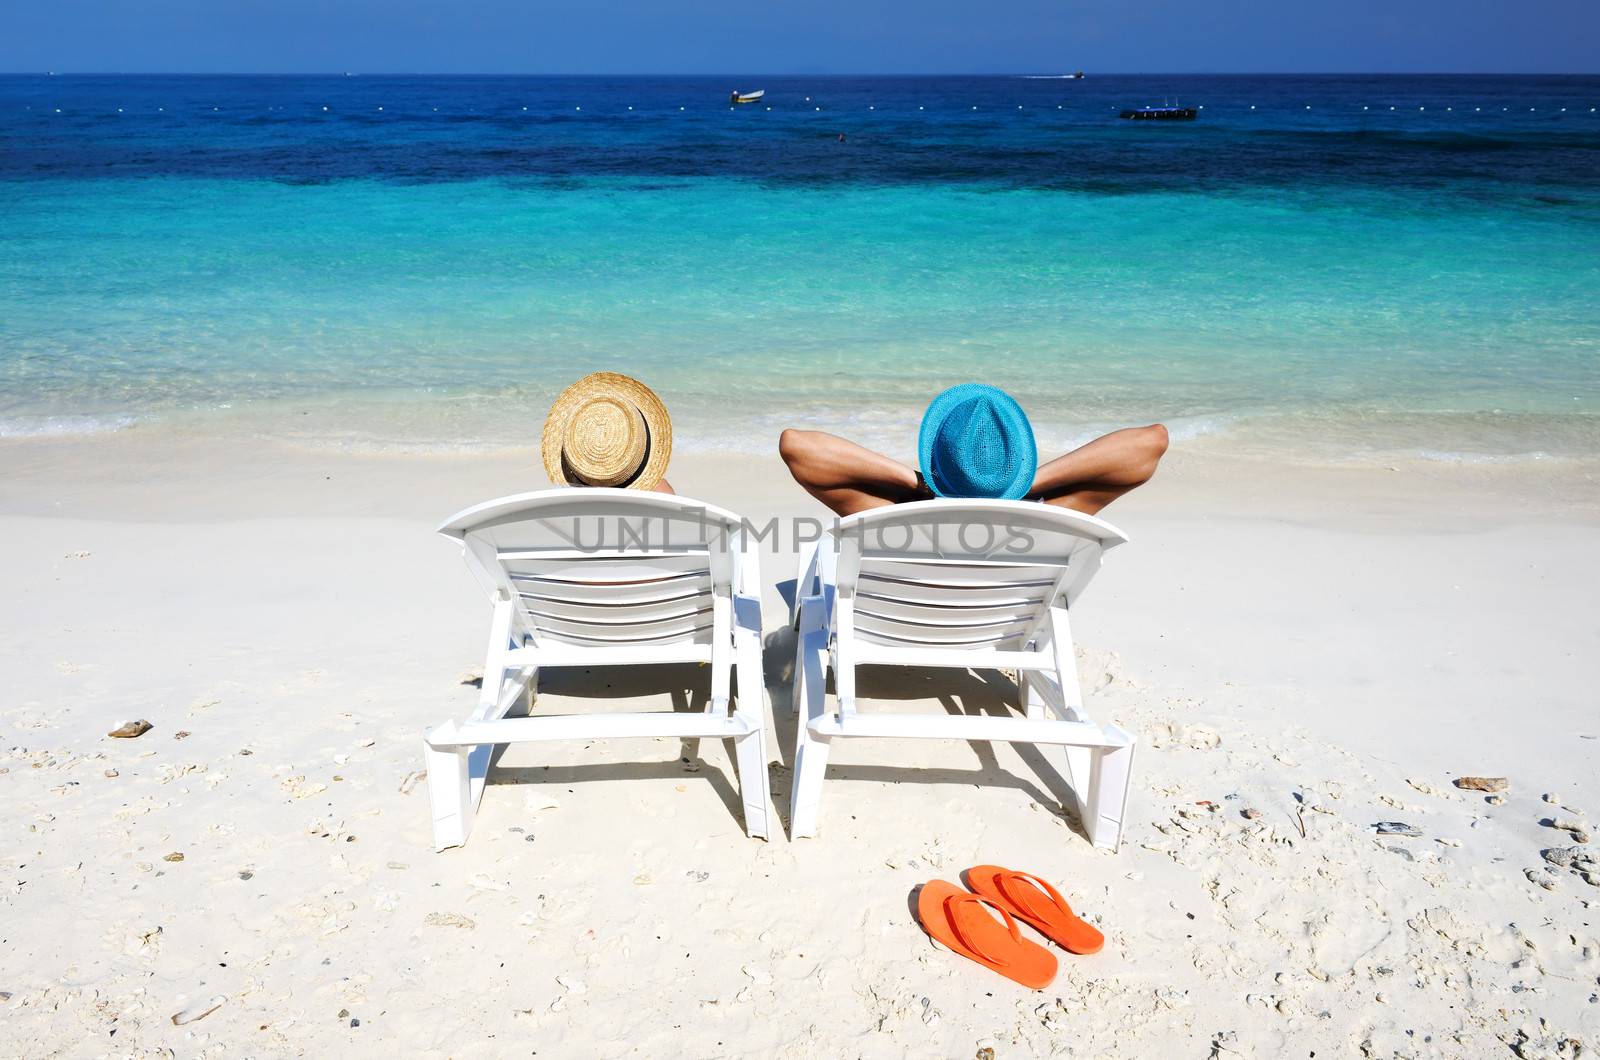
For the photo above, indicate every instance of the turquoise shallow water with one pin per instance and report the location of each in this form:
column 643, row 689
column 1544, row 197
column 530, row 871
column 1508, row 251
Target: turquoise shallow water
column 1455, row 313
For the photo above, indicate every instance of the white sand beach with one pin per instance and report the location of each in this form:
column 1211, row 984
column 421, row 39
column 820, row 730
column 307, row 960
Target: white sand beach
column 1303, row 652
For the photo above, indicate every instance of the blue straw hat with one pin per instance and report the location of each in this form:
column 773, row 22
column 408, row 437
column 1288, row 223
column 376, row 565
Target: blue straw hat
column 976, row 441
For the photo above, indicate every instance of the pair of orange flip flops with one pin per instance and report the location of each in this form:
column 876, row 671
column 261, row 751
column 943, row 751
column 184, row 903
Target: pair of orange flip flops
column 959, row 920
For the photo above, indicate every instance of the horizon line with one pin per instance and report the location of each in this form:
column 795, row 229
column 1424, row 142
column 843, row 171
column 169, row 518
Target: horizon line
column 797, row 74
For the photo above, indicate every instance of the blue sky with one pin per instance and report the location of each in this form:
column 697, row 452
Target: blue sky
column 801, row 36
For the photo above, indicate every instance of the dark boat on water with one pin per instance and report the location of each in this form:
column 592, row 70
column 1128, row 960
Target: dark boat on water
column 1161, row 114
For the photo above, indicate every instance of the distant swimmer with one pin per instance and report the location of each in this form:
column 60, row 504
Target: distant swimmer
column 841, row 137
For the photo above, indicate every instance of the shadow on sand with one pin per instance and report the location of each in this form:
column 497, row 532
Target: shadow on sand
column 958, row 692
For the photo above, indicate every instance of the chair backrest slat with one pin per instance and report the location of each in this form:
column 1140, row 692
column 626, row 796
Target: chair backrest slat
column 614, row 594
column 984, row 634
column 583, row 611
column 953, row 596
column 611, row 570
column 957, row 575
column 917, row 612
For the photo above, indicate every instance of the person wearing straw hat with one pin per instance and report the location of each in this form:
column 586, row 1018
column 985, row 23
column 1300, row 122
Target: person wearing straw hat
column 975, row 442
column 607, row 430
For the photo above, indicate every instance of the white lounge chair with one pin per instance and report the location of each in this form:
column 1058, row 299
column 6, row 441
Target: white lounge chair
column 971, row 584
column 604, row 577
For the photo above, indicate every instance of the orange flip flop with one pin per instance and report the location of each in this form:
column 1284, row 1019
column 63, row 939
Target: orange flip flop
column 1036, row 903
column 957, row 919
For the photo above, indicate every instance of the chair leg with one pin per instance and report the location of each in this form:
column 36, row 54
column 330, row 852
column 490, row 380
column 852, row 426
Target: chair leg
column 751, row 749
column 523, row 707
column 1110, row 772
column 1032, row 701
column 810, row 764
column 810, row 753
column 449, row 793
column 1080, row 770
column 810, row 643
column 810, row 649
column 751, row 752
column 688, row 746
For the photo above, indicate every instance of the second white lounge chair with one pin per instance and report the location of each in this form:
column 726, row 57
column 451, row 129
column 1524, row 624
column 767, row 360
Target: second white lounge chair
column 970, row 584
column 604, row 577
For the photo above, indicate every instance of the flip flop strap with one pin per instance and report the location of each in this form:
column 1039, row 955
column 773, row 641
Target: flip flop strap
column 952, row 909
column 1024, row 900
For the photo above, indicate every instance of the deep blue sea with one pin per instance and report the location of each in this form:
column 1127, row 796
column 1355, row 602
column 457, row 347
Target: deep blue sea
column 1351, row 267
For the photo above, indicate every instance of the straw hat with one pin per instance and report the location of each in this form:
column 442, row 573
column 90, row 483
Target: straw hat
column 607, row 430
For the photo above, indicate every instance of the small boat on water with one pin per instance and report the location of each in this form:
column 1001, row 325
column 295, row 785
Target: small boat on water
column 747, row 97
column 1162, row 113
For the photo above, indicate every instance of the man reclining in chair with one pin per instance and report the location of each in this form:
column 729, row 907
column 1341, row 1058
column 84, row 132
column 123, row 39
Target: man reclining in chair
column 975, row 442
